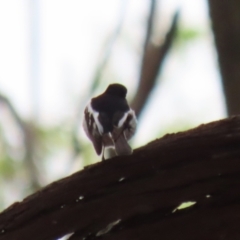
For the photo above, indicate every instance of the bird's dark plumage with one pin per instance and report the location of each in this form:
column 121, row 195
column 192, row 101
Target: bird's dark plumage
column 109, row 121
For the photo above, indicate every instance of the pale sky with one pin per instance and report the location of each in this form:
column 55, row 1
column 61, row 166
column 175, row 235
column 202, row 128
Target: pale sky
column 71, row 38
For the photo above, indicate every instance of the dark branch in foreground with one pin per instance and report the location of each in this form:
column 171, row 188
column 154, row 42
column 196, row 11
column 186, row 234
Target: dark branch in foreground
column 137, row 196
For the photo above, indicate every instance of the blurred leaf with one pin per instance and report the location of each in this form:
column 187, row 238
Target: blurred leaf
column 185, row 35
column 8, row 167
column 53, row 138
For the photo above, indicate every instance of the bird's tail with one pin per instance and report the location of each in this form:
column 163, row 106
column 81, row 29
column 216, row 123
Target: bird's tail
column 121, row 145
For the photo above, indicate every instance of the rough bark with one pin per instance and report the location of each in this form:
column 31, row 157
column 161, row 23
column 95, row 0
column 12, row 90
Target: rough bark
column 136, row 196
column 225, row 15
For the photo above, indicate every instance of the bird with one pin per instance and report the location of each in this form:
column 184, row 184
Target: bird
column 109, row 121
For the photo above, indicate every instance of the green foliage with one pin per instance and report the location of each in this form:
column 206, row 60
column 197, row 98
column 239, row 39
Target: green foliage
column 53, row 138
column 186, row 35
column 8, row 166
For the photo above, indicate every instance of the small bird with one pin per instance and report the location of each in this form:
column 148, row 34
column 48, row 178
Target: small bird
column 109, row 121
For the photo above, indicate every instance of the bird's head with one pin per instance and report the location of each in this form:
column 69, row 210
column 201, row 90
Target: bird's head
column 116, row 90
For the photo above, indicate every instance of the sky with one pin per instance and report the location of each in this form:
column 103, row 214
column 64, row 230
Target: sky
column 59, row 43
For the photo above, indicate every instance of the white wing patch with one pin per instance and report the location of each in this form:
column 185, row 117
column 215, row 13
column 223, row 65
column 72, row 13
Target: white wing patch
column 131, row 125
column 92, row 131
column 85, row 127
column 95, row 116
column 123, row 119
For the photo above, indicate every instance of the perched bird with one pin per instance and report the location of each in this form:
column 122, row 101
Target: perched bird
column 109, row 121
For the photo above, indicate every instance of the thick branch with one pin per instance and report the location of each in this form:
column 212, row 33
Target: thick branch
column 225, row 17
column 136, row 196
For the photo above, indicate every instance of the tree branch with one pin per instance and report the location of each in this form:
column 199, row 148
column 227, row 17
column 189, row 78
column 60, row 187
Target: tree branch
column 225, row 17
column 28, row 144
column 152, row 62
column 139, row 196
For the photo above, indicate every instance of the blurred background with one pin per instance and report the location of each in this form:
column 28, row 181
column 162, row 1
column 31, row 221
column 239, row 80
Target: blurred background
column 56, row 54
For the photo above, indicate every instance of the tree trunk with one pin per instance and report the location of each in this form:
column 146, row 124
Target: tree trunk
column 137, row 196
column 225, row 16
